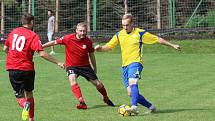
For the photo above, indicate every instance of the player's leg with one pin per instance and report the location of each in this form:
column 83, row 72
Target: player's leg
column 133, row 75
column 18, row 79
column 29, row 78
column 18, row 87
column 75, row 87
column 125, row 75
column 140, row 99
column 72, row 75
column 100, row 87
column 133, row 91
column 29, row 106
column 147, row 104
column 88, row 73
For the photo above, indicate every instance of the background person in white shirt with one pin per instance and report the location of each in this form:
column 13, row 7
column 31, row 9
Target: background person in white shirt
column 51, row 28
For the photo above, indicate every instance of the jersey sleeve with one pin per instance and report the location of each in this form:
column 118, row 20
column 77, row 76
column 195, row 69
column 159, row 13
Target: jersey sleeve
column 113, row 42
column 36, row 44
column 62, row 40
column 149, row 38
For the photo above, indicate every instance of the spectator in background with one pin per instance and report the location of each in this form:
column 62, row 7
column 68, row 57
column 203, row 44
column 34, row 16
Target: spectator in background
column 51, row 28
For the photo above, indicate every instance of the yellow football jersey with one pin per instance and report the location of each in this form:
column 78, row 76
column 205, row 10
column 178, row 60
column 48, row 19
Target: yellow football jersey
column 132, row 44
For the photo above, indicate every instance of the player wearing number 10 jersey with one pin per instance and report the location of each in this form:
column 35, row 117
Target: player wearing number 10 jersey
column 20, row 46
column 22, row 43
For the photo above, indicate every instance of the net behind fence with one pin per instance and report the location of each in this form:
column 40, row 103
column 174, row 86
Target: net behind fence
column 176, row 18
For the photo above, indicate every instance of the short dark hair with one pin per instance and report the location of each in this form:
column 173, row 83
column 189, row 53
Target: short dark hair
column 50, row 10
column 27, row 18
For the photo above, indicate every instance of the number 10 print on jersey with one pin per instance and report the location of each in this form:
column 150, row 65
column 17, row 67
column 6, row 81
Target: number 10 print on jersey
column 18, row 42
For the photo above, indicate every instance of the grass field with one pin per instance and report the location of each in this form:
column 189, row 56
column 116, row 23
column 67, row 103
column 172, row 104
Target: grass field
column 180, row 84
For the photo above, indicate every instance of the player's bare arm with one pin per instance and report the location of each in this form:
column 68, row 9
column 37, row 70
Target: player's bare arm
column 5, row 49
column 164, row 42
column 103, row 48
column 48, row 44
column 93, row 61
column 46, row 56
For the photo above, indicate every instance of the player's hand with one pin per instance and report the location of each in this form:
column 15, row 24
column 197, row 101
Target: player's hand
column 98, row 47
column 62, row 65
column 177, row 47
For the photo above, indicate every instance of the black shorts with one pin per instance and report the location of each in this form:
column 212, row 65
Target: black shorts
column 22, row 81
column 86, row 71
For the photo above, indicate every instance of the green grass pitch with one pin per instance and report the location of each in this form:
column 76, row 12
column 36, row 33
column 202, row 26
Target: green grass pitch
column 180, row 84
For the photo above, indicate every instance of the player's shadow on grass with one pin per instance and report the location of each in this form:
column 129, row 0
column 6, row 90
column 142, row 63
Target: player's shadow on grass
column 178, row 110
column 162, row 111
column 101, row 106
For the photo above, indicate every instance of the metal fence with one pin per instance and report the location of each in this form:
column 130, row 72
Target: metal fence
column 165, row 17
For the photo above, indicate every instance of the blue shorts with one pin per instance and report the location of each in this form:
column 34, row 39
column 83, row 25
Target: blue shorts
column 133, row 70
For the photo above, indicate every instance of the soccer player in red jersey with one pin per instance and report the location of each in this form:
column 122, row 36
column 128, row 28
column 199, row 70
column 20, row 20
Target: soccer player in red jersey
column 20, row 46
column 79, row 49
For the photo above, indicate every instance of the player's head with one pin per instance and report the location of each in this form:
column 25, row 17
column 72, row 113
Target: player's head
column 27, row 20
column 128, row 22
column 81, row 30
column 50, row 12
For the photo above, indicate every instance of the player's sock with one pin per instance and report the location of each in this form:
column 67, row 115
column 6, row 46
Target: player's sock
column 102, row 90
column 77, row 92
column 31, row 111
column 134, row 94
column 21, row 101
column 25, row 111
column 143, row 101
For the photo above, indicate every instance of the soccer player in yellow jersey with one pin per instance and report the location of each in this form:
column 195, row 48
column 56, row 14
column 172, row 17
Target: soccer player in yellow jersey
column 131, row 41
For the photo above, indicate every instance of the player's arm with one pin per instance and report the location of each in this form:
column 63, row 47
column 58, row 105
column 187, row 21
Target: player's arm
column 164, row 42
column 149, row 38
column 48, row 57
column 5, row 49
column 103, row 48
column 108, row 46
column 93, row 61
column 48, row 44
column 6, row 44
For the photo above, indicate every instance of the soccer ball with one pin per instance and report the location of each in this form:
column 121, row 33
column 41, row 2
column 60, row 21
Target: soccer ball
column 122, row 110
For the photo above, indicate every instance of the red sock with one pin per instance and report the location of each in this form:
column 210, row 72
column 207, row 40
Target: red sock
column 103, row 91
column 77, row 92
column 21, row 101
column 31, row 112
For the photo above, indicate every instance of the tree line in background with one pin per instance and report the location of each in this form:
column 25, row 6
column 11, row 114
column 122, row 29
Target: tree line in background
column 109, row 12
